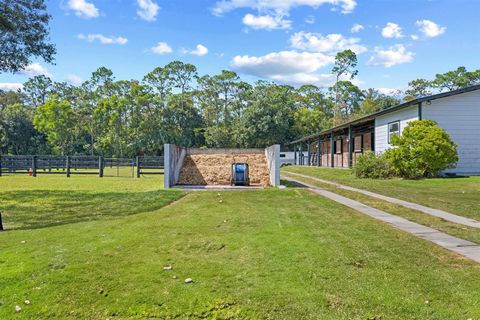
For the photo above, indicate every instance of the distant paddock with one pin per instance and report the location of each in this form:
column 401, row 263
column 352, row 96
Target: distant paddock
column 83, row 165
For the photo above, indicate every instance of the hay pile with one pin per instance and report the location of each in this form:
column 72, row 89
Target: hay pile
column 216, row 169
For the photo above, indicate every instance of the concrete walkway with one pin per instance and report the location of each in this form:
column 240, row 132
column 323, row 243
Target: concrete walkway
column 430, row 211
column 463, row 247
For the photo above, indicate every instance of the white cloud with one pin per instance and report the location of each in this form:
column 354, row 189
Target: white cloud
column 74, row 79
column 388, row 91
column 290, row 67
column 266, row 22
column 430, row 29
column 391, row 56
column 356, row 28
column 281, row 63
column 148, row 10
column 83, row 8
column 200, row 50
column 317, row 79
column 414, row 37
column 36, row 69
column 103, row 39
column 330, row 43
column 392, row 30
column 310, row 19
column 161, row 48
column 279, row 6
column 10, row 86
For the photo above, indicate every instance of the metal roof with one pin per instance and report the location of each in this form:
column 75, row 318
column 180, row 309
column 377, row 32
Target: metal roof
column 392, row 109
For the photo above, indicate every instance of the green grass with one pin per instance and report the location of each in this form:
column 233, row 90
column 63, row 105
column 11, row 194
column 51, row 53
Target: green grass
column 454, row 229
column 266, row 254
column 459, row 196
column 27, row 202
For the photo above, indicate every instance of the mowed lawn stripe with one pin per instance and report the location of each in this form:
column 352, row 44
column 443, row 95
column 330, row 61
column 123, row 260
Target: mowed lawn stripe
column 460, row 196
column 269, row 254
column 427, row 210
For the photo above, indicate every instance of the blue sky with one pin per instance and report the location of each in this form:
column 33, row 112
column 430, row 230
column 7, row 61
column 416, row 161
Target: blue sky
column 288, row 41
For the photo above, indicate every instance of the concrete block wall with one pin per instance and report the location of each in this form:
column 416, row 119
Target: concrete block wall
column 174, row 156
column 273, row 159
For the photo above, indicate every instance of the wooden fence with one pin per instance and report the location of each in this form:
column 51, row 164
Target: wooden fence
column 68, row 165
column 149, row 165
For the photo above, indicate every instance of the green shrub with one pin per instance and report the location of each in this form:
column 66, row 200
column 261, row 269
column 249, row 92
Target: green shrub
column 423, row 150
column 370, row 165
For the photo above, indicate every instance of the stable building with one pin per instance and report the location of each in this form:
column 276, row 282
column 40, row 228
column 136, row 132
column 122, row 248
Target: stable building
column 457, row 112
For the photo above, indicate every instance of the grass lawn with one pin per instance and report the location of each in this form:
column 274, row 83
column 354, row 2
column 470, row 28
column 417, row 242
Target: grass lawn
column 27, row 202
column 266, row 254
column 460, row 196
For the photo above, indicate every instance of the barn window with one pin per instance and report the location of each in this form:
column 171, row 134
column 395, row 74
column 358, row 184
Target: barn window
column 338, row 146
column 357, row 144
column 393, row 130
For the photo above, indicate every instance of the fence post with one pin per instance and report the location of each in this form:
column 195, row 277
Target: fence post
column 138, row 166
column 1, row 223
column 68, row 166
column 100, row 167
column 34, row 166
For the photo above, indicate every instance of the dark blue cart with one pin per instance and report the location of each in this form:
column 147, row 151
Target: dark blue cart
column 240, row 174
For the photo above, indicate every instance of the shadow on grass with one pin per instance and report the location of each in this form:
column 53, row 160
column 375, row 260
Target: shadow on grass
column 291, row 184
column 39, row 209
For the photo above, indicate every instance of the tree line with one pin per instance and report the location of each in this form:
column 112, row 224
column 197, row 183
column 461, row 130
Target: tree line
column 173, row 104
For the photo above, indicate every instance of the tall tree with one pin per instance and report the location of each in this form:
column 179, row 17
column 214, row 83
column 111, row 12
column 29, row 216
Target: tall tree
column 375, row 101
column 24, row 34
column 56, row 119
column 345, row 65
column 182, row 75
column 456, row 79
column 349, row 98
column 418, row 88
column 37, row 90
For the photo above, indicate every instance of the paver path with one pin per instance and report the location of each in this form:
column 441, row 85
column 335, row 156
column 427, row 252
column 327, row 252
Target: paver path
column 463, row 247
column 433, row 212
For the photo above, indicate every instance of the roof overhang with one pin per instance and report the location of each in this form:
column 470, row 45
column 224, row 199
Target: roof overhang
column 372, row 116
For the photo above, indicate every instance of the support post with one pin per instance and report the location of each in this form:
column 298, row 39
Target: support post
column 350, row 147
column 332, row 150
column 309, row 153
column 137, row 161
column 300, row 154
column 1, row 222
column 68, row 166
column 295, row 154
column 100, row 167
column 34, row 166
column 319, row 152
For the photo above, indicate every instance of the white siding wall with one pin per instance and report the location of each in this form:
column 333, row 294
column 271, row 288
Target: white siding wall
column 381, row 125
column 459, row 115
